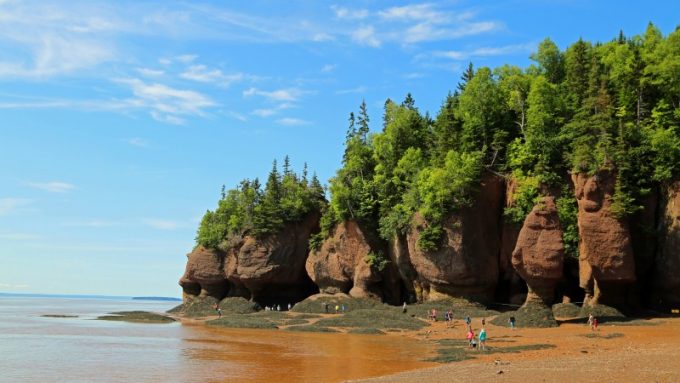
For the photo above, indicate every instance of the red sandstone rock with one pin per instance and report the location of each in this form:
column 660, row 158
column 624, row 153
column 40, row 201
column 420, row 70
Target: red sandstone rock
column 204, row 273
column 466, row 264
column 539, row 254
column 339, row 266
column 667, row 273
column 606, row 254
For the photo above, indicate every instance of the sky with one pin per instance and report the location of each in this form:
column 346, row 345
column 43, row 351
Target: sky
column 121, row 120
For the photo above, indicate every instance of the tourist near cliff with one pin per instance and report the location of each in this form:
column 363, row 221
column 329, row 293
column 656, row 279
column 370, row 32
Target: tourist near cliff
column 563, row 175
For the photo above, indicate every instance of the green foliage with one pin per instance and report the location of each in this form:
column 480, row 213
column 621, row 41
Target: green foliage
column 524, row 198
column 248, row 209
column 567, row 211
column 430, row 238
column 377, row 261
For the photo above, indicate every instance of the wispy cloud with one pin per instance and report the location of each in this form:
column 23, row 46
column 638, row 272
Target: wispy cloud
column 167, row 104
column 328, row 68
column 148, row 72
column 359, row 89
column 485, row 51
column 289, row 121
column 162, row 224
column 11, row 205
column 202, row 73
column 138, row 142
column 365, row 35
column 53, row 186
column 266, row 112
column 348, row 13
column 289, row 94
column 93, row 223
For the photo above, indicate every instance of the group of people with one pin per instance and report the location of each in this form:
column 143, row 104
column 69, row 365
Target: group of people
column 276, row 307
column 479, row 341
column 338, row 308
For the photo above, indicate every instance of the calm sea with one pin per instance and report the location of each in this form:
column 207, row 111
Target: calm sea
column 38, row 349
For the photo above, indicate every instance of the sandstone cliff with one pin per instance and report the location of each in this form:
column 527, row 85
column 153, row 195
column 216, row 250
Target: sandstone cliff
column 667, row 266
column 605, row 251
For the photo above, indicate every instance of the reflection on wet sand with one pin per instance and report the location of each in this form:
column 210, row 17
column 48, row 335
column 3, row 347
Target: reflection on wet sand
column 262, row 355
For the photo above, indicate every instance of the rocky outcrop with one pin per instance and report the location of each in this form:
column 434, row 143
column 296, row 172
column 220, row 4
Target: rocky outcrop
column 605, row 251
column 341, row 265
column 539, row 254
column 511, row 288
column 267, row 269
column 466, row 262
column 666, row 284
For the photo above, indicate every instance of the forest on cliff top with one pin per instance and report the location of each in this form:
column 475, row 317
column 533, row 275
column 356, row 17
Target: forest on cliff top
column 593, row 107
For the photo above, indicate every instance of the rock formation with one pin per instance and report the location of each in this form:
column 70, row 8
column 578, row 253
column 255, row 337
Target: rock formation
column 539, row 254
column 605, row 251
column 466, row 263
column 667, row 266
column 340, row 265
column 266, row 270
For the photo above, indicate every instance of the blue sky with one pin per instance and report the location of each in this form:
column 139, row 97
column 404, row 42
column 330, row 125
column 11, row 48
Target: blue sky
column 121, row 120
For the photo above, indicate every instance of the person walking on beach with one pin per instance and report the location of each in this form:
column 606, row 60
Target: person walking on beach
column 470, row 337
column 468, row 321
column 512, row 322
column 593, row 326
column 403, row 308
column 590, row 320
column 482, row 339
column 218, row 310
column 483, row 322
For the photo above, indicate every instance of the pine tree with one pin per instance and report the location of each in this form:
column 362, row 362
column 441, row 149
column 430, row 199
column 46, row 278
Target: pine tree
column 466, row 77
column 363, row 121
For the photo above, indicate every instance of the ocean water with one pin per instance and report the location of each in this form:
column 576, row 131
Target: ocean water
column 38, row 349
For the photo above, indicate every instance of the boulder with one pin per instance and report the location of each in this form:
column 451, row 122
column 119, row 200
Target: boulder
column 466, row 262
column 539, row 254
column 666, row 283
column 606, row 257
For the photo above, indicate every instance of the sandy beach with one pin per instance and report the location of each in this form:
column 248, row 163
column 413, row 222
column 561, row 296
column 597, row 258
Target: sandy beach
column 645, row 352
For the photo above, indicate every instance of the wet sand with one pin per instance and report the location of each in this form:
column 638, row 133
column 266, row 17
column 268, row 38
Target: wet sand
column 637, row 353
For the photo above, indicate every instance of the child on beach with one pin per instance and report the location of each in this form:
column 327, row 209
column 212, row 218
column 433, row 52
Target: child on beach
column 471, row 338
column 593, row 324
column 482, row 339
column 512, row 322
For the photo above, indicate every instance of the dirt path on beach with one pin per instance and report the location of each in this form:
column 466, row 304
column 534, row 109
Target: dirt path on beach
column 646, row 352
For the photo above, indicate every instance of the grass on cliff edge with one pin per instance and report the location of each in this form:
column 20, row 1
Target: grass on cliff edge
column 137, row 317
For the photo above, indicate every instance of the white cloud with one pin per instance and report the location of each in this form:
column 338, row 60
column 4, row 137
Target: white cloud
column 359, row 89
column 413, row 76
column 94, row 223
column 53, row 187
column 321, row 37
column 186, row 58
column 365, row 35
column 11, row 205
column 266, row 112
column 201, row 73
column 289, row 121
column 148, row 72
column 485, row 51
column 139, row 142
column 289, row 94
column 167, row 104
column 162, row 224
column 347, row 13
column 328, row 68
column 237, row 116
column 420, row 12
column 56, row 55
